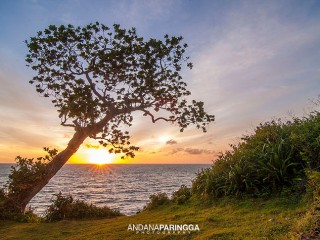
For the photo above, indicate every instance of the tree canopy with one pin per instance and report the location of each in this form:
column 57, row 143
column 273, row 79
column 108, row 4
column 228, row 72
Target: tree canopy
column 98, row 76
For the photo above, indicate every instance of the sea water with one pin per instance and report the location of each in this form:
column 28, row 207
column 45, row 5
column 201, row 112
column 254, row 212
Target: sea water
column 124, row 187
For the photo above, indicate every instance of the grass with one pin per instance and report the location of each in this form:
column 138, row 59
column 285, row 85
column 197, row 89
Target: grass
column 226, row 218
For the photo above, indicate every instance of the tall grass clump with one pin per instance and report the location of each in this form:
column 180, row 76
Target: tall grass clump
column 157, row 199
column 276, row 156
column 182, row 195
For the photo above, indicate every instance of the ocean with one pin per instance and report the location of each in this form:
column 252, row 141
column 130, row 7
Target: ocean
column 123, row 187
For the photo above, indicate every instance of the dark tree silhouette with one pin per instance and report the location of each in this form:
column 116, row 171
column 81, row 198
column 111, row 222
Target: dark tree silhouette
column 97, row 77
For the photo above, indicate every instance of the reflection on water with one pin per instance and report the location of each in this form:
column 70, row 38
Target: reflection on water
column 123, row 187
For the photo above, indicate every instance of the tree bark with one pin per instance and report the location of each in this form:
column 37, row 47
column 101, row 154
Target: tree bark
column 58, row 161
column 53, row 167
column 20, row 201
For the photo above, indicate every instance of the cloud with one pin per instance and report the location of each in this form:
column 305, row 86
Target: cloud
column 193, row 151
column 141, row 12
column 257, row 65
column 171, row 142
column 253, row 60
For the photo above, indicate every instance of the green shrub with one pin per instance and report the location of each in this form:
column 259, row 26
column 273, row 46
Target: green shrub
column 23, row 175
column 28, row 217
column 273, row 158
column 27, row 171
column 182, row 195
column 65, row 207
column 305, row 138
column 209, row 183
column 278, row 166
column 156, row 200
column 8, row 211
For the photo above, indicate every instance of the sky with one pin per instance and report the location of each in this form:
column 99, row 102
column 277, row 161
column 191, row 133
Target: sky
column 253, row 61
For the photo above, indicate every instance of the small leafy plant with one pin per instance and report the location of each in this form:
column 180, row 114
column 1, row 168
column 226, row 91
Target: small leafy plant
column 157, row 199
column 182, row 195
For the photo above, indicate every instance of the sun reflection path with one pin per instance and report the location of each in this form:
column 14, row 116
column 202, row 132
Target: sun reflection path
column 105, row 169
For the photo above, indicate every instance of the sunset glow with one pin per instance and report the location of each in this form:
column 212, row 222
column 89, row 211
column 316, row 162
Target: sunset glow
column 163, row 138
column 99, row 156
column 253, row 61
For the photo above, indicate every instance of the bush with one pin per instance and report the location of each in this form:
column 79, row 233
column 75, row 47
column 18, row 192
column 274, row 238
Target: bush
column 182, row 195
column 8, row 210
column 157, row 199
column 22, row 177
column 27, row 171
column 273, row 158
column 28, row 217
column 305, row 138
column 65, row 207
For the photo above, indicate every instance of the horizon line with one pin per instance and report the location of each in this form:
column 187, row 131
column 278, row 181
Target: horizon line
column 128, row 163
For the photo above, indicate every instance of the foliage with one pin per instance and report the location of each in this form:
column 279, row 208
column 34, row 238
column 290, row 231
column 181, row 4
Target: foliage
column 97, row 76
column 28, row 216
column 5, row 211
column 271, row 159
column 181, row 195
column 157, row 199
column 11, row 212
column 305, row 138
column 65, row 207
column 24, row 174
column 27, row 171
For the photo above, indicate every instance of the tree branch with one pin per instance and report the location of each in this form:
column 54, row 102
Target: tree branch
column 67, row 125
column 146, row 112
column 94, row 90
column 64, row 122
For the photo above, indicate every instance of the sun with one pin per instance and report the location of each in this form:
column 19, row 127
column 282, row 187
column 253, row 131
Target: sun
column 99, row 156
column 163, row 138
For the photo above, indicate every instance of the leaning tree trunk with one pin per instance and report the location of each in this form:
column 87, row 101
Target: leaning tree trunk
column 52, row 168
column 22, row 200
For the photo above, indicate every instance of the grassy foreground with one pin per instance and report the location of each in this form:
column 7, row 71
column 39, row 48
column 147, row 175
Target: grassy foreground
column 276, row 218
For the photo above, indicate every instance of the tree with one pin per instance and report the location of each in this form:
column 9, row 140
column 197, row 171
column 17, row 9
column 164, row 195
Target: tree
column 97, row 77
